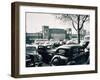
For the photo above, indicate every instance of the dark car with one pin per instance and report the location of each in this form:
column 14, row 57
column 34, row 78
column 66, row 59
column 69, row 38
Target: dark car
column 32, row 57
column 85, row 44
column 43, row 50
column 69, row 55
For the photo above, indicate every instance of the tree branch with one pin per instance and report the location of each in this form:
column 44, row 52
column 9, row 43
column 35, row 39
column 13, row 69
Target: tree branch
column 72, row 19
column 74, row 26
column 84, row 20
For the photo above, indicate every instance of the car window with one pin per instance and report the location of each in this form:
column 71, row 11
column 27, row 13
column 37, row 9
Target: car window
column 64, row 52
column 61, row 51
column 49, row 46
column 30, row 48
column 77, row 50
column 40, row 47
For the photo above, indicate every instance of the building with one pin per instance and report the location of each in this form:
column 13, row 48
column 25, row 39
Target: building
column 30, row 37
column 49, row 33
column 55, row 33
column 45, row 32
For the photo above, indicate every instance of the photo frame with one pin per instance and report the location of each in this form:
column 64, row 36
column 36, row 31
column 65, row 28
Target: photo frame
column 53, row 39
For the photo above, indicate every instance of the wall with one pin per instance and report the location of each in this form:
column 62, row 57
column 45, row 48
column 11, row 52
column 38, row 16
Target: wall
column 5, row 40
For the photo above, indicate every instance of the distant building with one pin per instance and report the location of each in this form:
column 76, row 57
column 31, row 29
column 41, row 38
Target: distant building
column 49, row 33
column 57, row 34
column 53, row 33
column 34, row 35
column 68, row 33
column 82, row 33
column 45, row 32
column 30, row 37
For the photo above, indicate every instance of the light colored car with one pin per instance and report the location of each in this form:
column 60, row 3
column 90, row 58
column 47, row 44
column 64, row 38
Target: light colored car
column 40, row 41
column 71, row 42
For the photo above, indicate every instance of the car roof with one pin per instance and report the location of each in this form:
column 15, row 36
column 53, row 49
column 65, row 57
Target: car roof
column 31, row 45
column 70, row 46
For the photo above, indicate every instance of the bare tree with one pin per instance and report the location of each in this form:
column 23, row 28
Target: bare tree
column 76, row 20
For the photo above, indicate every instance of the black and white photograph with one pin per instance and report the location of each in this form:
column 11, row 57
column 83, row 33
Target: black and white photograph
column 52, row 39
column 57, row 39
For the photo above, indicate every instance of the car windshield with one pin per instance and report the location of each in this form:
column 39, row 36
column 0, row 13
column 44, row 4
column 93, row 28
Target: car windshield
column 30, row 48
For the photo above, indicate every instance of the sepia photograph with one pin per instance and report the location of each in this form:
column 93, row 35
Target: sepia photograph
column 57, row 39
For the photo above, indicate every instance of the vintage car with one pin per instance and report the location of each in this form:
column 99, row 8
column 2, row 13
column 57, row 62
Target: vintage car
column 43, row 50
column 72, row 41
column 85, row 44
column 32, row 57
column 73, row 54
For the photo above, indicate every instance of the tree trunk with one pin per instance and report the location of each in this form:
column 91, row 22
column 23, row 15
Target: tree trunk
column 78, row 36
column 78, row 31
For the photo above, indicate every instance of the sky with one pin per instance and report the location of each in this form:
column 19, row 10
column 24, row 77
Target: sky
column 35, row 21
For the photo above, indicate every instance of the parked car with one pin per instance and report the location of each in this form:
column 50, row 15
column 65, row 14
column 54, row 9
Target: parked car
column 85, row 44
column 40, row 41
column 32, row 57
column 69, row 55
column 71, row 42
column 43, row 50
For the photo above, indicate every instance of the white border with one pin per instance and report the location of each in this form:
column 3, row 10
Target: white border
column 38, row 70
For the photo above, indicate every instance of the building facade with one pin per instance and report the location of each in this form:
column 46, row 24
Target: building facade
column 49, row 33
column 54, row 33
